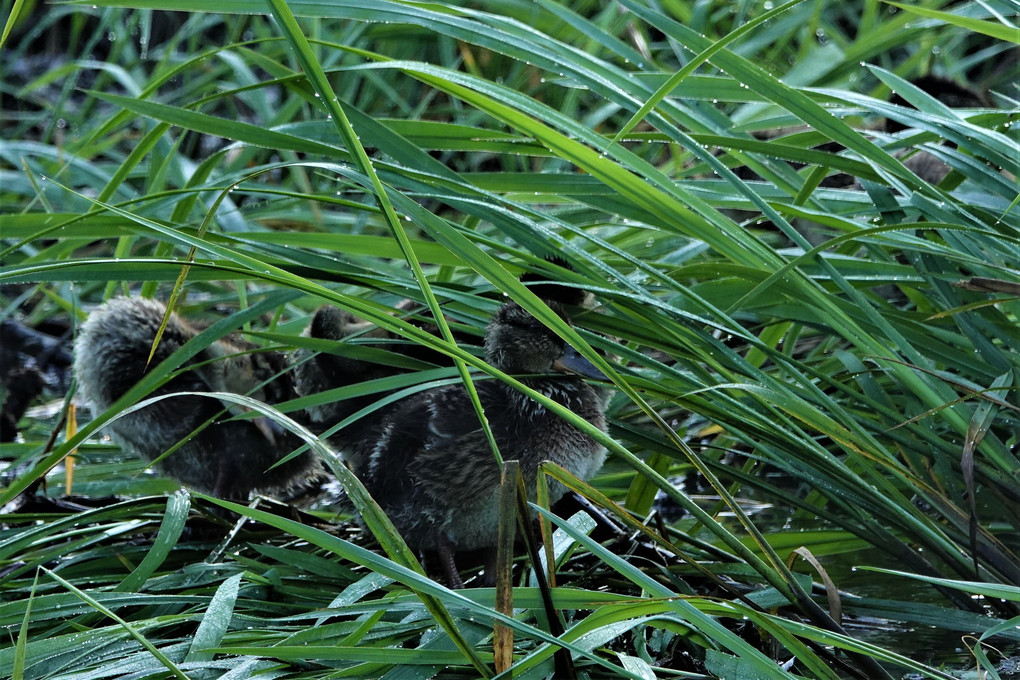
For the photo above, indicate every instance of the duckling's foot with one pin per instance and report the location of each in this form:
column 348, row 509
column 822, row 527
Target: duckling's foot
column 446, row 550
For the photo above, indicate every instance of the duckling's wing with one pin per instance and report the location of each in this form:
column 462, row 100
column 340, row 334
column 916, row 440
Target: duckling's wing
column 457, row 438
column 460, row 473
column 433, row 454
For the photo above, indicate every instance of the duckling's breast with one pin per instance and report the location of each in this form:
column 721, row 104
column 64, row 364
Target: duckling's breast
column 536, row 434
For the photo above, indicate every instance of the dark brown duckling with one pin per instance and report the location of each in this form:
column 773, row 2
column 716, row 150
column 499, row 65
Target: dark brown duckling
column 432, row 469
column 228, row 459
column 316, row 372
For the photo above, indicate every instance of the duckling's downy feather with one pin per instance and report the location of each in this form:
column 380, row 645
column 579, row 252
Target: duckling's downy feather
column 227, row 458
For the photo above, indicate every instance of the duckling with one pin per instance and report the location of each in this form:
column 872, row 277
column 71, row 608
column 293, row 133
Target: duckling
column 316, row 372
column 229, row 458
column 432, row 469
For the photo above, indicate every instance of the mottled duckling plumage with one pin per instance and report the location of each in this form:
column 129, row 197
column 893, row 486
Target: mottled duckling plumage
column 230, row 458
column 432, row 469
column 316, row 372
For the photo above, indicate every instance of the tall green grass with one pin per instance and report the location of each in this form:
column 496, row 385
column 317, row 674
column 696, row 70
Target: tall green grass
column 844, row 357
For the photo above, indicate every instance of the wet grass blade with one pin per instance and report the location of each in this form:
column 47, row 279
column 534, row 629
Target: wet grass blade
column 141, row 639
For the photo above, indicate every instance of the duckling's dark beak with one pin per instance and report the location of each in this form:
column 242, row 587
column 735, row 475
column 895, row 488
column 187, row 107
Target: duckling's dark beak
column 572, row 362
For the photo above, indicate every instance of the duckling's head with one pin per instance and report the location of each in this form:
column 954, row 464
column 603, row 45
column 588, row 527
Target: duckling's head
column 517, row 342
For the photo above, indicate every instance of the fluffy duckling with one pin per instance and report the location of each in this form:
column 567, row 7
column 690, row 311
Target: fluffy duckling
column 432, row 469
column 316, row 372
column 228, row 459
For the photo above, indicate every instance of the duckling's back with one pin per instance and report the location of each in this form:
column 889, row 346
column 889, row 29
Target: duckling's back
column 228, row 458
